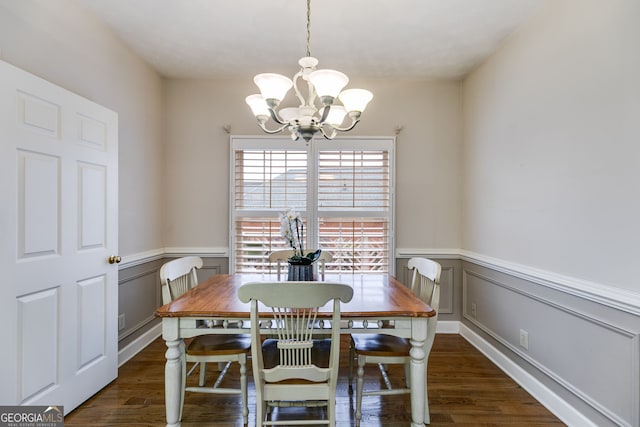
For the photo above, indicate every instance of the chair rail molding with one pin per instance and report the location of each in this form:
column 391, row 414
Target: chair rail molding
column 140, row 258
column 206, row 252
column 435, row 253
column 620, row 299
column 143, row 257
column 610, row 296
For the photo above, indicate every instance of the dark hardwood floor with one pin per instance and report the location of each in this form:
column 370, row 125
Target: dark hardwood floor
column 465, row 389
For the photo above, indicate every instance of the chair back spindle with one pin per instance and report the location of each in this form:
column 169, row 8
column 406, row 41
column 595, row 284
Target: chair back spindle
column 294, row 308
column 178, row 276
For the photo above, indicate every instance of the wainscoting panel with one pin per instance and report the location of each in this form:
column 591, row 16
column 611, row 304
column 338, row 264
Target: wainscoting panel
column 449, row 289
column 587, row 349
column 139, row 294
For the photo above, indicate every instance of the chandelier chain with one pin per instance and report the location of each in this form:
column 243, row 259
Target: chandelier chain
column 308, row 27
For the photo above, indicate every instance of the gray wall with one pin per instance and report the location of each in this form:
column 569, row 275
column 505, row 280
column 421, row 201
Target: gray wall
column 550, row 203
column 551, row 150
column 427, row 156
column 62, row 43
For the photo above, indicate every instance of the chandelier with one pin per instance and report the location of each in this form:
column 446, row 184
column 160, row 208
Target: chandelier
column 323, row 87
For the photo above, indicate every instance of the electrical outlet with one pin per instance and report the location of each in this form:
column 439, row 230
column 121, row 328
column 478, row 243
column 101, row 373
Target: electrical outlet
column 121, row 322
column 524, row 339
column 474, row 311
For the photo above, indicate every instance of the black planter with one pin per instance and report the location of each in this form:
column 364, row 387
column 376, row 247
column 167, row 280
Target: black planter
column 300, row 273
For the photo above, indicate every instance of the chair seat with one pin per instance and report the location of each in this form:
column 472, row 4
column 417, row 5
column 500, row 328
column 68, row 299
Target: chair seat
column 380, row 345
column 204, row 345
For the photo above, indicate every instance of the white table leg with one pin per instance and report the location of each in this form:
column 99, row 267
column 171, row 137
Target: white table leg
column 418, row 371
column 173, row 382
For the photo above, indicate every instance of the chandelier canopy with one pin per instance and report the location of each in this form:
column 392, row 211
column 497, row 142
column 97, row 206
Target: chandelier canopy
column 323, row 87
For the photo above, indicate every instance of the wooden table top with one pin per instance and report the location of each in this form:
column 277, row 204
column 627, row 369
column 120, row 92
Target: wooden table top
column 373, row 296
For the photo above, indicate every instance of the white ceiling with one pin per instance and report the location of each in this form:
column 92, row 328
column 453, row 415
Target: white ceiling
column 422, row 39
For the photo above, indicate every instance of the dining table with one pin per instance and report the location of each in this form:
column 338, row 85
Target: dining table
column 380, row 304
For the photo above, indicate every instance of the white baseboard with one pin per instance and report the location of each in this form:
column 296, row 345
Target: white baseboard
column 137, row 345
column 448, row 327
column 539, row 391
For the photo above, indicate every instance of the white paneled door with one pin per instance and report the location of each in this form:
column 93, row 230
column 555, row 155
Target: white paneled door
column 58, row 228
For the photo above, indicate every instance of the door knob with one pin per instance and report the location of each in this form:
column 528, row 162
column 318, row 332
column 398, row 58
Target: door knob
column 114, row 259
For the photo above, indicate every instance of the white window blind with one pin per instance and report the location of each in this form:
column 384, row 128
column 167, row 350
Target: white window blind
column 357, row 244
column 266, row 179
column 354, row 199
column 356, row 180
column 342, row 188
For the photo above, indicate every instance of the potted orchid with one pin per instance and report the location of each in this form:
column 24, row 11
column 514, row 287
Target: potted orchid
column 292, row 229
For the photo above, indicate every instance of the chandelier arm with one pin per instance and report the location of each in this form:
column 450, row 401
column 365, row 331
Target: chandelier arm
column 281, row 128
column 332, row 135
column 348, row 128
column 295, row 88
column 277, row 119
column 312, row 93
column 325, row 113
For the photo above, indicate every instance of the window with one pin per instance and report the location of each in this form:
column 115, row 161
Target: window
column 342, row 188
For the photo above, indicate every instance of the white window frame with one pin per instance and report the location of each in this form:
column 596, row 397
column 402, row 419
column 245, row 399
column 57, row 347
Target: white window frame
column 313, row 148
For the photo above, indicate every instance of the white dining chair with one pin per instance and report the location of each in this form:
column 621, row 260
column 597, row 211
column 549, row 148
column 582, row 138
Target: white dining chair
column 291, row 368
column 281, row 256
column 177, row 277
column 382, row 349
